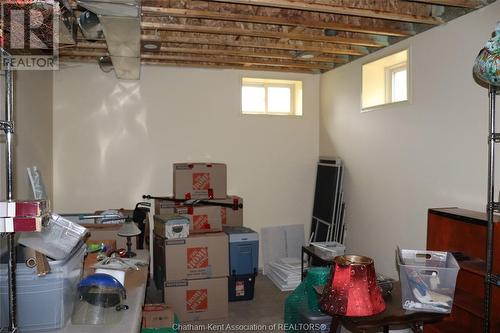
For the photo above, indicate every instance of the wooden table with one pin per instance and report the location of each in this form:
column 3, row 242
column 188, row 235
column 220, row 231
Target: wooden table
column 131, row 320
column 394, row 315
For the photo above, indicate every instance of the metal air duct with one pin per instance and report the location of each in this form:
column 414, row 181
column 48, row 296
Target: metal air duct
column 121, row 24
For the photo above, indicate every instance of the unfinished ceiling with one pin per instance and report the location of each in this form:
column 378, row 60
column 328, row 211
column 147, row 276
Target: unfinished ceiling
column 311, row 36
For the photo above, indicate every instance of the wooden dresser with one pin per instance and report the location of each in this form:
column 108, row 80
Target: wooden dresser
column 463, row 232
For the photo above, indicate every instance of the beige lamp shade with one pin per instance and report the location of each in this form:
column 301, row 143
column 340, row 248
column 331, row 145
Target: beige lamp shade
column 129, row 229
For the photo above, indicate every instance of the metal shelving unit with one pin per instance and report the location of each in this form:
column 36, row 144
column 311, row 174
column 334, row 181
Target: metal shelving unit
column 490, row 279
column 7, row 125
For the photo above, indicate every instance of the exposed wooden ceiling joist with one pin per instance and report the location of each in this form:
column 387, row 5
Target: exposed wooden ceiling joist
column 147, row 25
column 275, row 34
column 214, row 59
column 260, row 45
column 225, row 51
column 199, row 65
column 223, row 16
column 247, row 54
column 452, row 3
column 342, row 10
column 242, row 61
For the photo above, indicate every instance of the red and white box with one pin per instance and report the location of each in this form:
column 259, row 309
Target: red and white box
column 22, row 224
column 32, row 208
column 24, row 208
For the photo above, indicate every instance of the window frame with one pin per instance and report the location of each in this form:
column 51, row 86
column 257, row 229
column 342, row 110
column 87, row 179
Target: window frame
column 387, row 97
column 389, row 81
column 267, row 83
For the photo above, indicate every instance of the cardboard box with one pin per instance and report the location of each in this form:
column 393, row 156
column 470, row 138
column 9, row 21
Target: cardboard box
column 199, row 256
column 198, row 299
column 200, row 181
column 232, row 216
column 202, row 218
column 157, row 316
column 165, row 207
column 229, row 216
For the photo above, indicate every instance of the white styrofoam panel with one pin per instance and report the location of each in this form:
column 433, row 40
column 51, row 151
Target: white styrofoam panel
column 281, row 242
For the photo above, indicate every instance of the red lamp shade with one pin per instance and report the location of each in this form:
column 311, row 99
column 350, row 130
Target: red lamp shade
column 352, row 289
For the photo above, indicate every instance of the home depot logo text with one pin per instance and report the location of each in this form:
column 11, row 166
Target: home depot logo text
column 201, row 181
column 200, row 222
column 196, row 300
column 197, row 257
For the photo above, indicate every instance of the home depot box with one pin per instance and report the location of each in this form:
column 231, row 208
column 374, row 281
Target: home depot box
column 232, row 216
column 166, row 206
column 198, row 299
column 231, row 212
column 200, row 181
column 202, row 218
column 199, row 256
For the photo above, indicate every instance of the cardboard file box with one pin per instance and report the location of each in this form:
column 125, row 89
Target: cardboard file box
column 171, row 226
column 198, row 299
column 200, row 181
column 196, row 257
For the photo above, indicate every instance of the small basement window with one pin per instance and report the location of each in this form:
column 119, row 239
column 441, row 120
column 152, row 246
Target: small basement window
column 271, row 96
column 385, row 81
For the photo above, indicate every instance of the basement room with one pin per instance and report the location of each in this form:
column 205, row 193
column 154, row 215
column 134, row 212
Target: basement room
column 291, row 166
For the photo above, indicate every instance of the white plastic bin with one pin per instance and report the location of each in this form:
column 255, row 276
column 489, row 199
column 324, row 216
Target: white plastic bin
column 43, row 303
column 329, row 249
column 428, row 280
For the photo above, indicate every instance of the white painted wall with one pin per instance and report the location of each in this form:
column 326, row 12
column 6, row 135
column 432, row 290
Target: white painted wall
column 116, row 140
column 33, row 125
column 33, row 133
column 402, row 160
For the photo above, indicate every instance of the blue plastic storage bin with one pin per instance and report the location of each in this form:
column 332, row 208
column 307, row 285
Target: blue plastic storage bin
column 243, row 250
column 46, row 302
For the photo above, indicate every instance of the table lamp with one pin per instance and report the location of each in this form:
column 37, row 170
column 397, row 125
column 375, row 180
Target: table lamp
column 352, row 289
column 129, row 230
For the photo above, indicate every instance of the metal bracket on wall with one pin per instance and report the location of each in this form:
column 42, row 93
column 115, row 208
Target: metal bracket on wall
column 494, row 280
column 7, row 126
column 494, row 206
column 495, row 137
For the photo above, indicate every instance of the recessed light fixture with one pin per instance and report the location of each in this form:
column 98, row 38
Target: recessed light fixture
column 149, row 46
column 306, row 56
column 330, row 32
column 302, row 54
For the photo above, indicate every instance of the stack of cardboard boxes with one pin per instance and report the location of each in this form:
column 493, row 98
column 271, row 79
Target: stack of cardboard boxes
column 194, row 271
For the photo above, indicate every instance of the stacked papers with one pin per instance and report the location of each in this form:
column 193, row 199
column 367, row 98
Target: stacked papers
column 286, row 273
